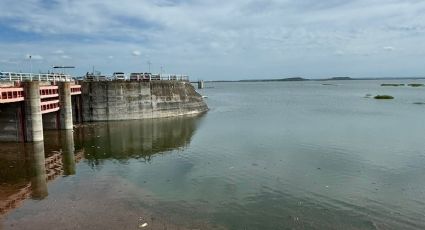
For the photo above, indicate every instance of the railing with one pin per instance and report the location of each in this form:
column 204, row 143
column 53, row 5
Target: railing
column 171, row 77
column 159, row 77
column 8, row 95
column 75, row 89
column 53, row 77
column 49, row 106
column 49, row 91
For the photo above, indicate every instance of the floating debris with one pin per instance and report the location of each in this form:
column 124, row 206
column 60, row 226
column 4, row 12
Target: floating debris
column 419, row 103
column 143, row 225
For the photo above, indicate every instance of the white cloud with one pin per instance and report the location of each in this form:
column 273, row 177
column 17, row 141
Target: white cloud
column 58, row 52
column 136, row 53
column 388, row 48
column 65, row 57
column 199, row 37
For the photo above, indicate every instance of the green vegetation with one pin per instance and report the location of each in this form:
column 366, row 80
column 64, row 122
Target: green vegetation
column 384, row 97
column 392, row 84
column 416, row 85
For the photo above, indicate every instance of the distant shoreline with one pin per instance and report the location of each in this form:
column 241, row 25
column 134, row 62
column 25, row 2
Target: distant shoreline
column 320, row 79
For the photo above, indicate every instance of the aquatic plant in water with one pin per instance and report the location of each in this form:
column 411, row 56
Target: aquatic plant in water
column 386, row 84
column 415, row 85
column 385, row 97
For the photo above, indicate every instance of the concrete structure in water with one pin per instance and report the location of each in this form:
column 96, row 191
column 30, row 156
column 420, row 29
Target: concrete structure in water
column 201, row 84
column 26, row 108
column 128, row 100
column 29, row 107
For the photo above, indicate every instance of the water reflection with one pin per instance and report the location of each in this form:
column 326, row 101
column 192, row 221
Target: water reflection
column 38, row 170
column 68, row 156
column 135, row 139
column 26, row 169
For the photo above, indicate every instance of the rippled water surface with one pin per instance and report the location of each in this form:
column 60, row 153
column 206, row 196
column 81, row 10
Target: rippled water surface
column 280, row 155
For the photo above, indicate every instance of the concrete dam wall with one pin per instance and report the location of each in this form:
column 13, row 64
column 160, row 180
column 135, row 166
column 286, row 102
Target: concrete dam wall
column 129, row 100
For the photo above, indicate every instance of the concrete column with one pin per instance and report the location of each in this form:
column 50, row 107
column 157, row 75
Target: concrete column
column 33, row 117
column 200, row 84
column 68, row 152
column 38, row 170
column 65, row 105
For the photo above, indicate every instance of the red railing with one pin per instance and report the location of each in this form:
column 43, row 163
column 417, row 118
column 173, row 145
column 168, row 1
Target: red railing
column 49, row 106
column 12, row 94
column 16, row 94
column 49, row 91
column 75, row 89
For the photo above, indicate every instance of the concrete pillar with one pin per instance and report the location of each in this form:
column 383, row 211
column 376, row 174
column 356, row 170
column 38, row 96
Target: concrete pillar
column 38, row 170
column 33, row 117
column 68, row 152
column 200, row 84
column 65, row 105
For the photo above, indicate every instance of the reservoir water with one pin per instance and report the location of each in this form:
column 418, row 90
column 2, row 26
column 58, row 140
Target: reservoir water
column 268, row 155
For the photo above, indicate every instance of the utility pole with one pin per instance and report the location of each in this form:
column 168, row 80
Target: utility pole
column 149, row 66
column 30, row 65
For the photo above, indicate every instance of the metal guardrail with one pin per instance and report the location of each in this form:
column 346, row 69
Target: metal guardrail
column 11, row 94
column 141, row 77
column 170, row 77
column 54, row 77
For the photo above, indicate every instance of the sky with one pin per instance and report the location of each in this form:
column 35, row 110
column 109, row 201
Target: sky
column 217, row 39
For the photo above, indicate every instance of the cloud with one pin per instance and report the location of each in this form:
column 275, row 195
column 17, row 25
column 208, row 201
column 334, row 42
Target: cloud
column 388, row 48
column 58, row 52
column 238, row 38
column 65, row 57
column 339, row 52
column 136, row 53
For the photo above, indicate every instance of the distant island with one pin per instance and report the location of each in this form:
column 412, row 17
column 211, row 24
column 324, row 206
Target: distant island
column 320, row 79
column 283, row 79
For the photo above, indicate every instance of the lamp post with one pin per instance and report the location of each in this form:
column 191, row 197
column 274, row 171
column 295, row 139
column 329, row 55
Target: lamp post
column 30, row 66
column 63, row 70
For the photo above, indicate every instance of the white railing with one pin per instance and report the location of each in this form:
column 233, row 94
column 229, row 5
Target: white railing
column 11, row 76
column 169, row 77
column 141, row 77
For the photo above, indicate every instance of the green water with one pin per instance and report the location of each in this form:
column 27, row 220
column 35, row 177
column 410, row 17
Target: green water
column 281, row 155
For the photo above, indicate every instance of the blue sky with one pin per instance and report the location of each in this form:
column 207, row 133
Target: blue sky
column 217, row 39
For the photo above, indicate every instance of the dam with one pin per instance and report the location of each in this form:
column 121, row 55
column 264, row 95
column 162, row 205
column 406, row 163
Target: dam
column 31, row 103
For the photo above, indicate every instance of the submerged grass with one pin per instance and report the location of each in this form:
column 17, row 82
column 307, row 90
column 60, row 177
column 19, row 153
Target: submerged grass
column 386, row 84
column 384, row 97
column 416, row 85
